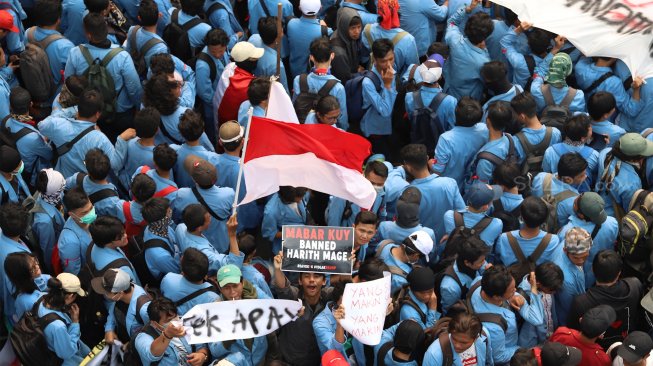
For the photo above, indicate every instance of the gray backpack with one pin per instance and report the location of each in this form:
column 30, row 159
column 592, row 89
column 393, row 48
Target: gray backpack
column 35, row 67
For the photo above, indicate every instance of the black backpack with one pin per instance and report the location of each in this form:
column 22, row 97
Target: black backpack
column 510, row 219
column 10, row 138
column 511, row 156
column 306, row 100
column 400, row 299
column 534, row 153
column 28, row 338
column 176, row 37
column 439, row 277
column 354, row 92
column 131, row 356
column 140, row 264
column 426, row 127
column 556, row 115
column 138, row 55
column 460, row 231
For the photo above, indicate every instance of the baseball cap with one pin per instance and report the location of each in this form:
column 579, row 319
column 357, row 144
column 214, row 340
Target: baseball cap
column 7, row 21
column 310, row 7
column 634, row 144
column 421, row 241
column 421, row 279
column 231, row 131
column 480, row 194
column 438, row 58
column 577, row 241
column 409, row 336
column 245, row 50
column 70, row 283
column 334, row 358
column 203, row 173
column 635, row 347
column 114, row 280
column 597, row 320
column 229, row 274
column 556, row 354
column 592, row 206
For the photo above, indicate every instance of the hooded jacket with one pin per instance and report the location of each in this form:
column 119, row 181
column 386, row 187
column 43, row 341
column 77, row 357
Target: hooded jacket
column 346, row 50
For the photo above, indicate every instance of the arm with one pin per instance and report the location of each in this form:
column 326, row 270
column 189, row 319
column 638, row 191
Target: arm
column 70, row 252
column 65, row 339
column 131, row 80
column 453, row 28
column 500, row 352
column 161, row 259
column 327, row 338
column 204, row 86
column 382, row 102
column 628, row 105
column 343, row 121
column 516, row 59
column 434, row 11
column 450, row 292
column 442, row 155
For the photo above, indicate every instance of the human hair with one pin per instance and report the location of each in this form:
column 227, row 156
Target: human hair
column 20, row 99
column 500, row 115
column 13, row 219
column 471, row 249
column 367, row 218
column 95, row 26
column 600, row 103
column 160, row 305
column 607, row 266
column 524, row 103
column 56, row 295
column 494, row 71
column 371, row 269
column 97, row 164
column 216, row 37
column 415, row 155
column 326, row 104
column 146, row 122
column 162, row 63
column 267, row 29
column 479, row 26
column 193, row 216
column 468, row 112
column 155, row 209
column 509, row 17
column 164, row 156
column 381, row 47
column 539, row 41
column 148, row 13
column 191, row 125
column 258, row 90
column 41, row 184
column 288, row 194
column 377, row 168
column 76, row 85
column 571, row 164
column 496, row 280
column 466, row 323
column 96, row 6
column 440, row 48
column 46, row 12
column 550, row 276
column 192, row 7
column 157, row 93
column 321, row 49
column 523, row 357
column 355, row 20
column 106, row 229
column 143, row 187
column 18, row 268
column 338, row 290
column 194, row 265
column 577, row 127
column 506, row 174
column 90, row 103
column 246, row 243
column 75, row 198
column 533, row 211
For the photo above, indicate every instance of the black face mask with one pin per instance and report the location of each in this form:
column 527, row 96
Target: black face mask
column 248, row 65
column 466, row 270
column 498, row 87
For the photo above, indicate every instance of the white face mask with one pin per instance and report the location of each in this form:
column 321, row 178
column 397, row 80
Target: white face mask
column 430, row 75
column 378, row 189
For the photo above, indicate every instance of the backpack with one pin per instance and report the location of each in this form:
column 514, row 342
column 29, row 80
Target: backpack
column 28, row 338
column 213, row 70
column 534, row 153
column 35, row 68
column 140, row 264
column 634, row 228
column 525, row 265
column 460, row 230
column 556, row 115
column 426, row 127
column 510, row 219
column 175, row 36
column 552, row 201
column 59, row 151
column 598, row 141
column 439, row 277
column 590, row 89
column 354, row 92
column 306, row 100
column 10, row 138
column 138, row 55
column 402, row 298
column 440, row 332
column 97, row 196
column 131, row 356
column 132, row 228
column 31, row 239
column 99, row 77
column 511, row 156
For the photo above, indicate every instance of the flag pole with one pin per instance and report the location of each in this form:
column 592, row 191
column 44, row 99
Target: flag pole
column 279, row 38
column 242, row 158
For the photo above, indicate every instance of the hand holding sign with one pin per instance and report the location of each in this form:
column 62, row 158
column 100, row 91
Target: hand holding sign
column 366, row 304
column 321, row 249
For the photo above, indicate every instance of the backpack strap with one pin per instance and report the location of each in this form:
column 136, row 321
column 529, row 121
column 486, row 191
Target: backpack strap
column 482, row 225
column 397, row 38
column 157, row 243
column 571, row 94
column 86, row 54
column 140, row 302
column 45, row 320
column 596, row 230
column 101, row 195
column 201, row 200
column 398, row 271
column 445, row 345
column 382, row 245
column 164, row 131
column 18, row 135
column 79, row 180
column 132, row 39
column 127, row 211
column 109, row 56
column 546, row 184
column 647, row 132
column 174, row 18
column 166, row 191
column 546, row 141
column 375, row 79
column 303, row 83
column 493, row 318
column 213, row 71
column 383, row 351
column 548, row 96
column 191, row 24
column 437, row 100
column 326, row 88
column 265, row 8
column 537, row 253
column 149, row 44
column 598, row 82
column 516, row 249
column 458, row 219
column 530, row 64
column 213, row 8
column 45, row 42
column 324, row 31
column 368, row 34
column 449, row 271
column 408, row 301
column 194, row 294
column 411, row 74
column 492, row 158
column 417, row 100
column 65, row 148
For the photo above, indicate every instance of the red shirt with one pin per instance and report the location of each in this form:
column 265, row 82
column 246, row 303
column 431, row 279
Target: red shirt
column 593, row 354
column 234, row 95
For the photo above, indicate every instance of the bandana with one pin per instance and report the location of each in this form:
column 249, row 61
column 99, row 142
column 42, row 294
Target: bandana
column 23, row 118
column 160, row 227
column 54, row 189
column 66, row 97
column 559, row 69
column 388, row 10
column 430, row 71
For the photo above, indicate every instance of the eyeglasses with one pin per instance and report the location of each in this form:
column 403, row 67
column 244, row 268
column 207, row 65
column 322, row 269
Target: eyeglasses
column 331, row 119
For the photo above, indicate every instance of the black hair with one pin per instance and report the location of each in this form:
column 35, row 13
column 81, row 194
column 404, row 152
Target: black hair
column 371, row 269
column 76, row 84
column 524, row 103
column 13, row 219
column 90, row 103
column 571, row 164
column 539, row 41
column 75, row 198
column 326, row 104
column 381, row 47
column 193, row 216
column 148, row 13
column 191, row 125
column 96, row 6
column 471, row 249
column 549, row 275
column 164, row 156
column 155, row 209
column 106, row 229
column 288, row 194
column 143, row 187
column 440, row 48
column 162, row 63
column 46, row 12
column 468, row 112
column 258, row 90
column 96, row 27
column 494, row 71
column 600, row 103
column 18, row 269
column 160, row 305
column 479, row 26
column 377, row 168
column 338, row 290
column 56, row 295
column 158, row 93
column 194, row 265
column 523, row 357
column 496, row 280
column 466, row 323
column 506, row 174
column 321, row 49
column 577, row 127
column 192, row 7
column 19, row 100
column 267, row 29
column 415, row 155
column 246, row 243
column 146, row 122
column 367, row 218
column 509, row 17
column 607, row 266
column 217, row 37
column 500, row 115
column 533, row 211
column 97, row 164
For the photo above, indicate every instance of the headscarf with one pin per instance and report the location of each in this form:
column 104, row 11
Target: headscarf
column 160, row 227
column 388, row 11
column 54, row 189
column 559, row 69
column 341, row 35
column 431, row 69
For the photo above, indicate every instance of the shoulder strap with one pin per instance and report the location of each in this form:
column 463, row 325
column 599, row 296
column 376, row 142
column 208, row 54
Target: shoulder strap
column 408, row 301
column 530, row 63
column 109, row 56
column 482, row 225
column 397, row 38
column 526, row 145
column 101, row 195
column 537, row 253
column 65, row 148
column 325, row 30
column 516, row 249
column 303, row 83
column 492, row 158
column 417, row 100
column 596, row 230
column 45, row 42
column 571, row 94
column 149, row 44
column 127, row 211
column 546, row 141
column 326, row 88
column 265, row 8
column 165, row 191
column 493, row 318
column 647, row 132
column 157, row 243
column 368, row 34
column 546, row 93
column 546, row 184
column 142, row 300
column 449, row 271
column 175, row 16
column 411, row 74
column 458, row 219
column 437, row 100
column 79, row 180
column 132, row 39
column 598, row 82
column 213, row 8
column 213, row 71
column 194, row 294
column 398, row 271
column 445, row 345
column 192, row 23
column 383, row 351
column 382, row 245
column 203, row 202
column 87, row 54
column 164, row 131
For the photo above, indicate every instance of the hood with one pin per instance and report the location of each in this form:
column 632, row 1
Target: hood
column 249, row 291
column 345, row 15
column 618, row 296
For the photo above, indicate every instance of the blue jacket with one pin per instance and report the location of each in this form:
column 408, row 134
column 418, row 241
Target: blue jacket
column 171, row 123
column 267, row 66
column 243, row 118
column 450, row 291
column 315, row 83
column 5, row 91
column 439, row 195
column 57, row 52
column 484, row 169
column 170, row 356
column 535, row 137
column 8, row 246
column 388, row 335
column 446, row 111
column 25, row 302
column 256, row 11
column 216, row 259
column 225, row 19
column 434, row 355
column 608, row 128
column 397, row 280
column 635, row 123
column 182, row 177
column 101, row 257
column 72, row 21
column 489, row 235
column 506, row 97
column 363, row 13
column 33, row 148
column 72, row 244
column 17, row 194
column 379, row 105
column 175, row 287
column 520, row 72
column 47, row 226
column 456, row 150
column 324, row 326
column 405, row 50
column 337, row 205
column 623, row 187
column 573, row 284
column 130, row 155
column 142, row 37
column 408, row 312
column 131, row 322
column 420, row 19
column 277, row 214
column 493, row 44
column 205, row 86
column 506, row 256
column 301, row 32
column 565, row 207
column 161, row 183
column 577, row 104
column 393, row 187
column 390, row 230
column 63, row 337
column 554, row 152
column 196, row 34
column 108, row 206
column 121, row 68
column 240, row 353
column 159, row 260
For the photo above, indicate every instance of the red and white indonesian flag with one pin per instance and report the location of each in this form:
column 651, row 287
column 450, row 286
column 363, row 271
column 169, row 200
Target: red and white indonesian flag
column 318, row 157
column 280, row 106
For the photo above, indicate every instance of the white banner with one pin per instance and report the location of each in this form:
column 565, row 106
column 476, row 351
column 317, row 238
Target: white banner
column 240, row 319
column 365, row 305
column 610, row 28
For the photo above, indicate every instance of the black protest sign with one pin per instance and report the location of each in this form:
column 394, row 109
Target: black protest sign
column 323, row 249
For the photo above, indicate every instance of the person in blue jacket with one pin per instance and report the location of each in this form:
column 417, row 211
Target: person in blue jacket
column 72, row 14
column 143, row 40
column 421, row 294
column 191, row 127
column 495, row 78
column 578, row 243
column 267, row 64
column 138, row 151
column 176, row 69
column 258, row 93
column 165, row 158
column 158, row 215
column 12, row 186
column 467, row 268
column 468, row 52
column 102, row 193
column 420, row 19
column 328, row 329
column 600, row 106
column 555, row 77
column 532, row 129
column 208, row 71
column 635, row 123
column 24, row 272
column 48, row 220
column 302, row 32
column 407, row 219
column 507, row 177
column 266, row 8
column 13, row 223
column 465, row 331
column 109, row 236
column 74, row 237
column 220, row 14
column 401, row 257
column 62, row 336
column 247, row 245
column 286, row 207
column 403, row 340
column 191, row 9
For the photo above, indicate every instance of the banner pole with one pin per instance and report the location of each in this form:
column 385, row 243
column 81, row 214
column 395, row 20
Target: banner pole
column 242, row 158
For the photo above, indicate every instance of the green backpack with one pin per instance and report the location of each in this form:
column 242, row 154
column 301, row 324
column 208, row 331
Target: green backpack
column 99, row 77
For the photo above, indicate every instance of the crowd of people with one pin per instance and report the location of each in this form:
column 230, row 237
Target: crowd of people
column 511, row 172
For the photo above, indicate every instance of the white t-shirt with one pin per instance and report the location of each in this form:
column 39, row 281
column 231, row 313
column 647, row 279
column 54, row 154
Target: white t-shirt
column 468, row 356
column 618, row 361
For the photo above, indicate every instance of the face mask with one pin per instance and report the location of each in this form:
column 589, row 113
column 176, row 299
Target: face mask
column 89, row 217
column 378, row 189
column 20, row 170
column 430, row 75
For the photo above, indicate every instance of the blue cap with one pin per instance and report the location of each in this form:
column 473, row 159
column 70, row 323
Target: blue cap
column 437, row 57
column 480, row 194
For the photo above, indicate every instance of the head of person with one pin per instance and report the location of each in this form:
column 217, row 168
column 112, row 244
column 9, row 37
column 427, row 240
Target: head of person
column 50, row 184
column 164, row 157
column 246, row 56
column 499, row 116
column 440, row 48
column 162, row 63
column 524, row 357
column 549, row 277
column 63, row 291
column 22, row 268
column 267, row 29
column 632, row 147
column 114, row 285
column 417, row 245
column 13, row 219
column 371, row 269
column 590, row 206
column 498, row 284
column 480, row 195
column 97, row 6
column 604, row 61
column 247, row 244
column 601, row 105
column 97, row 164
column 95, row 27
column 143, row 188
column 196, row 218
column 194, row 265
column 431, row 69
column 258, row 91
column 192, row 7
column 20, row 100
column 157, row 213
column 148, row 13
column 377, row 173
column 596, row 321
column 90, row 105
column 464, row 329
column 478, row 27
column 350, row 25
column 468, row 112
column 146, row 122
column 534, row 212
column 161, row 311
column 216, row 42
column 289, row 194
column 578, row 243
column 409, row 339
column 559, row 69
column 7, row 24
column 506, row 175
column 558, row 354
column 388, row 11
column 365, row 226
column 108, row 232
column 79, row 207
column 72, row 89
column 572, row 168
column 191, row 125
column 230, row 279
column 311, row 283
column 415, row 159
column 607, row 266
column 524, row 106
column 162, row 92
column 509, row 17
column 578, row 128
column 635, row 349
column 327, row 110
column 472, row 253
column 11, row 163
column 384, row 54
column 232, row 136
column 321, row 51
column 494, row 75
column 539, row 41
column 408, row 208
column 421, row 281
column 310, row 8
column 203, row 173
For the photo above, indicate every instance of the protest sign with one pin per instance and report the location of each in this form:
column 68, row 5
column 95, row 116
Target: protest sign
column 239, row 319
column 365, row 306
column 323, row 249
column 611, row 28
